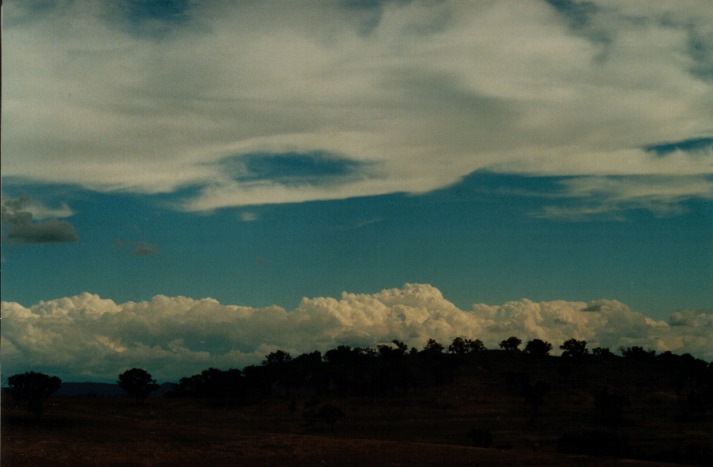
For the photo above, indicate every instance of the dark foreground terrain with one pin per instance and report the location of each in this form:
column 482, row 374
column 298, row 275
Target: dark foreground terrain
column 479, row 417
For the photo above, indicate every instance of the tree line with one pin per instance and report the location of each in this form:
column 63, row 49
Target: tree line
column 387, row 368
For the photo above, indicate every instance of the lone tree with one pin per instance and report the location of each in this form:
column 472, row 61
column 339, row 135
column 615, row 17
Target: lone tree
column 538, row 347
column 33, row 388
column 573, row 348
column 511, row 343
column 137, row 383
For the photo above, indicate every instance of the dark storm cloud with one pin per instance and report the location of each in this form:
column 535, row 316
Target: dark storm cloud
column 22, row 229
column 52, row 231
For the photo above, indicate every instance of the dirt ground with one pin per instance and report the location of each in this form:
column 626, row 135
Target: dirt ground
column 114, row 431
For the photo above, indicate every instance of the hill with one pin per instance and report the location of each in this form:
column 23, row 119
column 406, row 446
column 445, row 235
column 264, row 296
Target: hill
column 101, row 389
column 484, row 408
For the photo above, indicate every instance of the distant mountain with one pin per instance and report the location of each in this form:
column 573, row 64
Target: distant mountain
column 102, row 389
column 85, row 389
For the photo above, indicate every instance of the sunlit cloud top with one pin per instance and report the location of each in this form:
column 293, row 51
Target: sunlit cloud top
column 86, row 336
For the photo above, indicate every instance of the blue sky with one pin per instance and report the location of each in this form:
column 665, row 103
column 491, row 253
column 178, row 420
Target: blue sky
column 483, row 240
column 257, row 153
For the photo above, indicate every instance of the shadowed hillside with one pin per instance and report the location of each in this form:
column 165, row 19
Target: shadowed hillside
column 390, row 405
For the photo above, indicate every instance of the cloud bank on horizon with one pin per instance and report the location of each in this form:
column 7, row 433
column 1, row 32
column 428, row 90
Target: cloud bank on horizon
column 86, row 337
column 220, row 102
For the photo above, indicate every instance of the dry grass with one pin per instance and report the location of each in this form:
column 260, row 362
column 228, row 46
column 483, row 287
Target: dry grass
column 113, row 432
column 428, row 426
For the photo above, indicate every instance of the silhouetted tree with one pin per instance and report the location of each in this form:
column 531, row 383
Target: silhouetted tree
column 216, row 386
column 603, row 353
column 511, row 343
column 257, row 381
column 433, row 347
column 570, row 366
column 400, row 346
column 277, row 365
column 388, row 352
column 308, row 370
column 392, row 369
column 461, row 346
column 573, row 348
column 538, row 347
column 277, row 358
column 137, row 383
column 457, row 347
column 352, row 370
column 431, row 366
column 637, row 353
column 474, row 345
column 33, row 388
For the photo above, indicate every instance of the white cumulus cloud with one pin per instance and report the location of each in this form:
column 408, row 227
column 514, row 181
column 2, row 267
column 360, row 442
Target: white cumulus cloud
column 88, row 337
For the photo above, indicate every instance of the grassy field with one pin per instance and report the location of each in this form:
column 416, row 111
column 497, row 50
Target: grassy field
column 424, row 426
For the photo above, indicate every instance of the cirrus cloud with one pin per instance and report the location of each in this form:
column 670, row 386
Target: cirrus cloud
column 423, row 93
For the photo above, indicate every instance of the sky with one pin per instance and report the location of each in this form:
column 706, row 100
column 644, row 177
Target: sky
column 189, row 184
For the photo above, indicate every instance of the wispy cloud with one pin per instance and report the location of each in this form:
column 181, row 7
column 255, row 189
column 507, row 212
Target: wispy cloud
column 611, row 197
column 248, row 216
column 137, row 248
column 87, row 336
column 20, row 216
column 151, row 100
column 703, row 146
